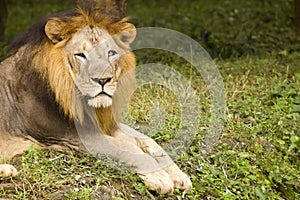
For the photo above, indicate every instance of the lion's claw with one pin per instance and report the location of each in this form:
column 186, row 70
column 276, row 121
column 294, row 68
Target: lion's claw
column 159, row 181
column 7, row 170
column 180, row 179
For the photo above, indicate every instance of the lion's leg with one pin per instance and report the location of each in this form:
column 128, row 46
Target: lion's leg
column 9, row 147
column 127, row 151
column 145, row 165
column 148, row 145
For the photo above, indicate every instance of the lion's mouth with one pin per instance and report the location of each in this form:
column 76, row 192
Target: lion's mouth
column 102, row 99
column 102, row 93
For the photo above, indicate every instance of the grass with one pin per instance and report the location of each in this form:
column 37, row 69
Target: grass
column 258, row 153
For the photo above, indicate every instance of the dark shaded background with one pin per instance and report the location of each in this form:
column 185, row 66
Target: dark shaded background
column 228, row 28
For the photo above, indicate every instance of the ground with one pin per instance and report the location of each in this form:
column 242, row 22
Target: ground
column 257, row 155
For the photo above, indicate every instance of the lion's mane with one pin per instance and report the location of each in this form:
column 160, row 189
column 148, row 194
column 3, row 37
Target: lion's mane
column 41, row 59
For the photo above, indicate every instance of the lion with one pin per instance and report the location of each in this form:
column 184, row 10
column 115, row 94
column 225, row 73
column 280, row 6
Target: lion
column 59, row 86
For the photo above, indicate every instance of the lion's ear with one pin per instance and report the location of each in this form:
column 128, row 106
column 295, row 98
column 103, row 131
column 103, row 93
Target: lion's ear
column 54, row 30
column 127, row 35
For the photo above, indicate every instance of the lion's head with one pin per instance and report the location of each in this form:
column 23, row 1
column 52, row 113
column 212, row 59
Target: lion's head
column 95, row 58
column 82, row 55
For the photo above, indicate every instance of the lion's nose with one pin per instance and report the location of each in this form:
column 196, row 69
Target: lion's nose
column 102, row 81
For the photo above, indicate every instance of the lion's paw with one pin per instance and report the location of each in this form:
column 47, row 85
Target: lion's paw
column 7, row 170
column 159, row 181
column 180, row 179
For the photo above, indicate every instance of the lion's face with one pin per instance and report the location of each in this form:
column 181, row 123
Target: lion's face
column 93, row 56
column 90, row 56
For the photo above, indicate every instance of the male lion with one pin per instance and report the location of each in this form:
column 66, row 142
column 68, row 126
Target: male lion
column 72, row 67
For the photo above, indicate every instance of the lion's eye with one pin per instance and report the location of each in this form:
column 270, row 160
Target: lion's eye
column 80, row 55
column 111, row 53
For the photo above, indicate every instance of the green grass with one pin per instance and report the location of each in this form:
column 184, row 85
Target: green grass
column 258, row 153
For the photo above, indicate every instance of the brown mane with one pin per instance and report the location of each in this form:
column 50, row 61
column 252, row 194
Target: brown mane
column 88, row 13
column 35, row 35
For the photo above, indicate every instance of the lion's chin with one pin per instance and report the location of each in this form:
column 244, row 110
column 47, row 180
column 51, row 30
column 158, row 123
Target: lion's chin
column 100, row 101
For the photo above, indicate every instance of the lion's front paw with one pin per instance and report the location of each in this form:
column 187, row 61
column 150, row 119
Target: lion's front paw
column 159, row 181
column 180, row 179
column 7, row 170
